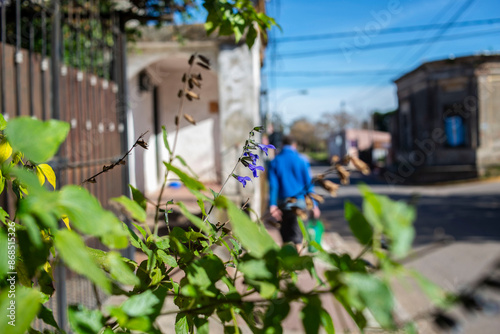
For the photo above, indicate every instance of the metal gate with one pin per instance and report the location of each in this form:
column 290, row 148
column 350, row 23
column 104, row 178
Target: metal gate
column 66, row 60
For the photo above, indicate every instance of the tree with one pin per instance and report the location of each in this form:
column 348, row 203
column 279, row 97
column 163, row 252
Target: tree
column 332, row 122
column 306, row 135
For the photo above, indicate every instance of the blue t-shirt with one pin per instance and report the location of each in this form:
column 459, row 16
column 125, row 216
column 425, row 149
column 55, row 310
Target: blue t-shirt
column 288, row 176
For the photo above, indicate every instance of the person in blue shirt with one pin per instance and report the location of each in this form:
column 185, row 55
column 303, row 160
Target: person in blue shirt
column 289, row 177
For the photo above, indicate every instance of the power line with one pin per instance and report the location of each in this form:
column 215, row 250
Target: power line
column 394, row 30
column 336, row 73
column 384, row 45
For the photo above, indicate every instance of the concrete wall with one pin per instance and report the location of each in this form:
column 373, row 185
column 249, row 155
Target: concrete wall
column 488, row 153
column 239, row 84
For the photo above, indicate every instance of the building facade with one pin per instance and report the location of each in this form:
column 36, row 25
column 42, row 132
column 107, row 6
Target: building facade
column 227, row 110
column 448, row 122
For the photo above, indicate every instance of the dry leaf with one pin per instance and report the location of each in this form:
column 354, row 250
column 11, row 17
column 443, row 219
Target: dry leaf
column 190, row 119
column 309, row 202
column 203, row 65
column 191, row 60
column 193, row 95
column 204, row 59
column 335, row 159
column 317, row 198
column 360, row 165
column 343, row 174
column 330, row 186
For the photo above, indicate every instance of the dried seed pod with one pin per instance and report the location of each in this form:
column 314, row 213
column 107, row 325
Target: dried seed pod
column 204, row 59
column 203, row 65
column 191, row 60
column 343, row 174
column 105, row 168
column 193, row 95
column 317, row 198
column 189, row 98
column 180, row 93
column 291, row 200
column 176, row 120
column 319, row 177
column 190, row 119
column 360, row 165
column 345, row 160
column 190, row 84
column 330, row 187
column 122, row 162
column 194, row 81
column 198, row 76
column 299, row 212
column 335, row 159
column 92, row 180
column 142, row 144
column 184, row 77
column 309, row 202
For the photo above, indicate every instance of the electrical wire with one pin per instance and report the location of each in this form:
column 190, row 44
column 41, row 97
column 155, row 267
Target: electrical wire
column 394, row 30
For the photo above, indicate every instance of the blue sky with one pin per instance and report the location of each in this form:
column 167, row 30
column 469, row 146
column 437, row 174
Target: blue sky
column 362, row 52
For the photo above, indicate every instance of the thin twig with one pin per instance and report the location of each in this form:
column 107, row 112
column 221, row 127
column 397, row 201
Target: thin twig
column 138, row 142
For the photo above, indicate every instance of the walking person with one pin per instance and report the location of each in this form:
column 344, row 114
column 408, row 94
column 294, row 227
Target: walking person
column 289, row 182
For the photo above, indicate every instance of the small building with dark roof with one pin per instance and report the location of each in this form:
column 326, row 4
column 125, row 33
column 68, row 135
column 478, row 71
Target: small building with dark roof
column 447, row 125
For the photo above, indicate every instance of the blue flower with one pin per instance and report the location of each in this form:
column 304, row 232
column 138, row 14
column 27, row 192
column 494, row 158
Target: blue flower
column 252, row 156
column 243, row 179
column 254, row 169
column 264, row 148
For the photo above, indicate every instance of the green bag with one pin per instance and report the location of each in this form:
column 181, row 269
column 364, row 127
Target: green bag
column 315, row 229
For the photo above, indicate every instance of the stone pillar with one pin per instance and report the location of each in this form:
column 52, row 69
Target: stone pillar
column 239, row 88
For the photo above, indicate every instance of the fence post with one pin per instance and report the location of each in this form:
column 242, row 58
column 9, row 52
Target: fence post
column 55, row 57
column 123, row 110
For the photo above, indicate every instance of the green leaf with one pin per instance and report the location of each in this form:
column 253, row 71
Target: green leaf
column 205, row 272
column 185, row 164
column 88, row 216
column 310, row 315
column 197, row 221
column 326, row 322
column 85, row 321
column 133, row 208
column 141, row 304
column 251, row 36
column 4, row 258
column 3, row 123
column 120, row 271
column 187, row 180
column 370, row 291
column 167, row 259
column 253, row 237
column 202, row 326
column 181, row 324
column 73, row 251
column 361, row 229
column 165, row 140
column 255, row 269
column 26, row 304
column 49, row 136
column 47, row 316
column 138, row 197
column 392, row 218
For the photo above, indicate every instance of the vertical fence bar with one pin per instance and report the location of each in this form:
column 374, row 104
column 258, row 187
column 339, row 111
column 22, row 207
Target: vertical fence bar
column 121, row 61
column 18, row 58
column 55, row 71
column 44, row 65
column 31, row 47
column 3, row 35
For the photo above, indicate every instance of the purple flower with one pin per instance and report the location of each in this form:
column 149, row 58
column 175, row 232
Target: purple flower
column 243, row 179
column 252, row 156
column 254, row 169
column 264, row 148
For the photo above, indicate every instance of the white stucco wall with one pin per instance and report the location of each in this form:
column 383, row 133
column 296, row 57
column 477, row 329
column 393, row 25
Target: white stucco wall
column 239, row 84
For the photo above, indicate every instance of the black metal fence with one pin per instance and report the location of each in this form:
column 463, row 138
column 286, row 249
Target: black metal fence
column 66, row 60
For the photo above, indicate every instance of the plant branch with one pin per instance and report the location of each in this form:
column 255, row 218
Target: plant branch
column 121, row 161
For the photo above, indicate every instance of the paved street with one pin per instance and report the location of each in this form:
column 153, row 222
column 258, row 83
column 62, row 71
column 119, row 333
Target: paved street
column 467, row 213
